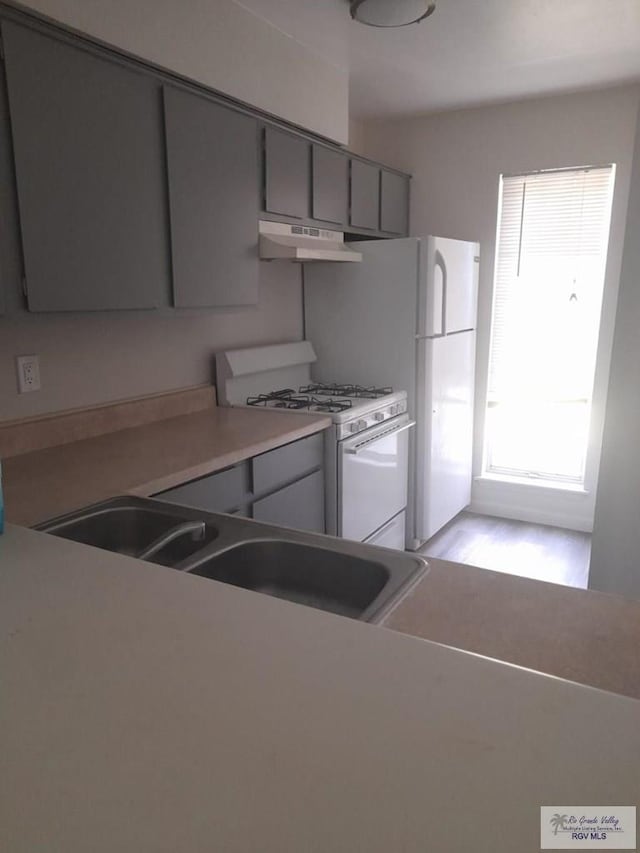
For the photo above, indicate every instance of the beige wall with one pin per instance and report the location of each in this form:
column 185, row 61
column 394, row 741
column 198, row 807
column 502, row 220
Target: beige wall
column 357, row 136
column 87, row 359
column 615, row 554
column 223, row 45
column 456, row 159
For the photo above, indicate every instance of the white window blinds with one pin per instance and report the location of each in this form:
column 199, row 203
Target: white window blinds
column 549, row 268
column 552, row 245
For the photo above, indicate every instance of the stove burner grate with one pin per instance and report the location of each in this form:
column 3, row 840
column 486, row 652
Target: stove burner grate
column 279, row 400
column 330, row 405
column 287, row 398
column 333, row 389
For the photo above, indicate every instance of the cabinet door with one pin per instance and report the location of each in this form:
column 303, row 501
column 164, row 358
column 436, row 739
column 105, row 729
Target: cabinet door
column 365, row 195
column 330, row 199
column 212, row 162
column 287, row 174
column 300, row 505
column 89, row 161
column 394, row 203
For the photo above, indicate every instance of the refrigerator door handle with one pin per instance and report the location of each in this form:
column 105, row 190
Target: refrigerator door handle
column 440, row 262
column 441, row 330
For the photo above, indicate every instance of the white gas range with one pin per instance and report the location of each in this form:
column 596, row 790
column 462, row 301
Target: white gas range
column 366, row 448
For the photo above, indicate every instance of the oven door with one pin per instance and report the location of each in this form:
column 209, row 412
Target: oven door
column 372, row 478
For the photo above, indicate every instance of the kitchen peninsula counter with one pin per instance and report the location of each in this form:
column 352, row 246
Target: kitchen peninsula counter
column 143, row 460
column 581, row 635
column 149, row 711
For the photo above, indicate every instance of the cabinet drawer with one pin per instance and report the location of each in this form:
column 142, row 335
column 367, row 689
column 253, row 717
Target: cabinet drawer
column 219, row 492
column 300, row 505
column 287, row 463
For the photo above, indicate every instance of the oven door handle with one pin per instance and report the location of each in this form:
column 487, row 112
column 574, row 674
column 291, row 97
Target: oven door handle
column 359, row 447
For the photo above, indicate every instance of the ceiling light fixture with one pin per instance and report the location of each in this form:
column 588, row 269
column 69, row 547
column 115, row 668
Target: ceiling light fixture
column 391, row 13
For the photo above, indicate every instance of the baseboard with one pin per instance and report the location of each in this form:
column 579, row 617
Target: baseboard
column 567, row 521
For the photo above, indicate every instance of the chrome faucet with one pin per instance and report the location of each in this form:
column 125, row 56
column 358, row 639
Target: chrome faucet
column 195, row 528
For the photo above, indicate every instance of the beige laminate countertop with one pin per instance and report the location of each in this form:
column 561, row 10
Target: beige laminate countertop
column 143, row 460
column 581, row 635
column 153, row 712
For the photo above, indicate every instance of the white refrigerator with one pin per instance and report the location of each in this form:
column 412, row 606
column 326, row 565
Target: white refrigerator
column 405, row 317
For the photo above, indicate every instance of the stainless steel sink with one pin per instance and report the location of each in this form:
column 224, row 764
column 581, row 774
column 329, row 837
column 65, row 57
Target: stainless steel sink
column 150, row 533
column 337, row 575
column 319, row 577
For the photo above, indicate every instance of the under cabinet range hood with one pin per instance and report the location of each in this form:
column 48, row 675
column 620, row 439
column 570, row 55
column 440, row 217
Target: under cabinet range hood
column 279, row 241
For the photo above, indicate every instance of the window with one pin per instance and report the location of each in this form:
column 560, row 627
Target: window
column 552, row 245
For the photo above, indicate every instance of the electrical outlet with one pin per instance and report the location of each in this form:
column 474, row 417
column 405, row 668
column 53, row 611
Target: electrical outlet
column 28, row 368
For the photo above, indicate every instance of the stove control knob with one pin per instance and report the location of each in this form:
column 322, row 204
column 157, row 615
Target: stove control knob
column 394, row 410
column 361, row 425
column 353, row 427
column 378, row 416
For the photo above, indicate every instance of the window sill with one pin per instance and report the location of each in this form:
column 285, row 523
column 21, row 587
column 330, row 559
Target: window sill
column 534, row 483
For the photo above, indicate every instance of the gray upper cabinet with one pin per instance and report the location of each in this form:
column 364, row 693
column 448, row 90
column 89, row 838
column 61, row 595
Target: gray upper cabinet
column 212, row 161
column 89, row 160
column 365, row 195
column 394, row 203
column 120, row 188
column 330, row 196
column 287, row 175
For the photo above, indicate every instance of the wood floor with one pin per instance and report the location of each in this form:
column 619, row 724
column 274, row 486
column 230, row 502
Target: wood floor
column 515, row 547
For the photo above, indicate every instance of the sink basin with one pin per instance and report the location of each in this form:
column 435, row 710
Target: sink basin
column 318, row 577
column 348, row 578
column 132, row 529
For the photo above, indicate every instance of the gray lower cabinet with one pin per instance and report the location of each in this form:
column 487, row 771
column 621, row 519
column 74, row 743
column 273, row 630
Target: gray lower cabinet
column 365, row 195
column 287, row 173
column 212, row 165
column 300, row 505
column 284, row 464
column 284, row 486
column 394, row 203
column 330, row 192
column 89, row 158
column 224, row 491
